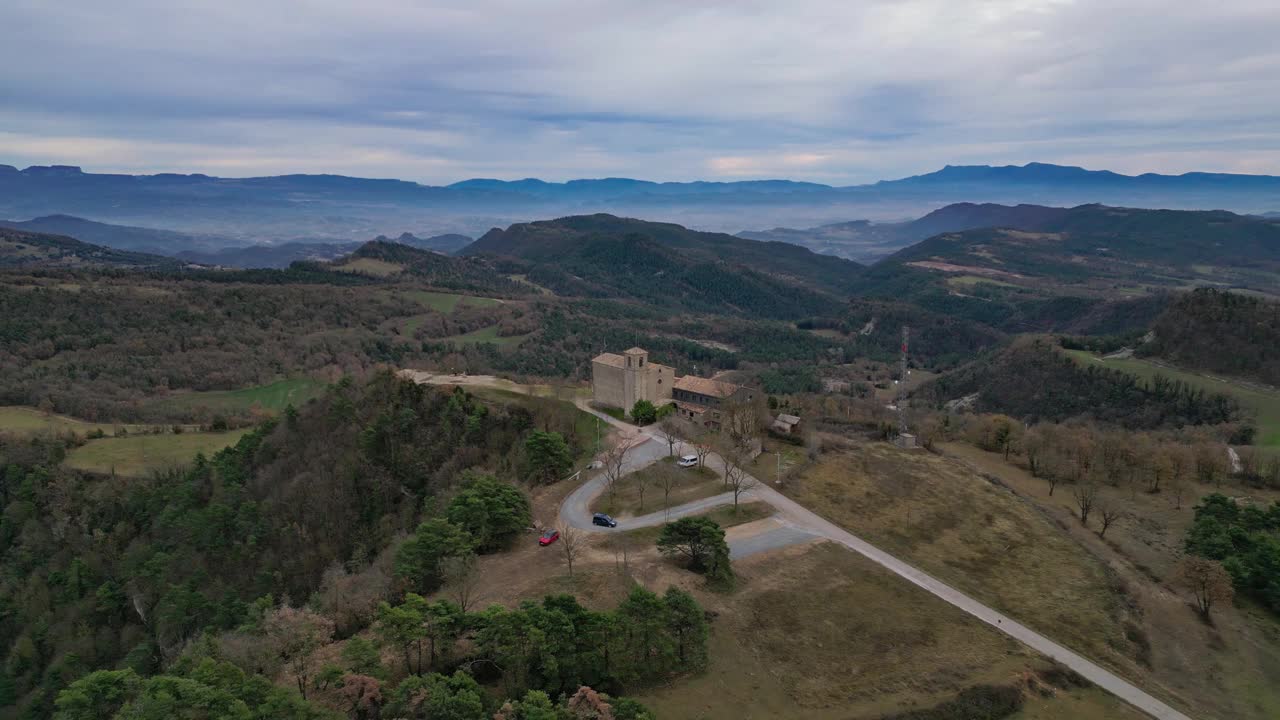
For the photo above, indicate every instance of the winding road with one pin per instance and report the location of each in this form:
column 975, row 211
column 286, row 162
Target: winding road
column 795, row 524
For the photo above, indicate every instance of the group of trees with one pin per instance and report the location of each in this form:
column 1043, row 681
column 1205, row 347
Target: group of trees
column 1197, row 326
column 1088, row 456
column 1033, row 381
column 700, row 541
column 483, row 517
column 1245, row 539
column 534, row 652
column 311, row 508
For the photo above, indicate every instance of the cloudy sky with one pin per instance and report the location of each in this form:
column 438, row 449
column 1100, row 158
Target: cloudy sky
column 839, row 91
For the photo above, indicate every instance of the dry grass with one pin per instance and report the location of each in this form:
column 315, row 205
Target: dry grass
column 1227, row 670
column 937, row 515
column 820, row 632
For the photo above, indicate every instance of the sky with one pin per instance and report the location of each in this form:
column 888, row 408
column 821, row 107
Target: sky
column 841, row 91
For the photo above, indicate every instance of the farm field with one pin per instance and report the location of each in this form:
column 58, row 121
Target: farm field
column 448, row 302
column 1265, row 404
column 274, row 397
column 371, row 266
column 487, row 335
column 24, row 420
column 138, row 455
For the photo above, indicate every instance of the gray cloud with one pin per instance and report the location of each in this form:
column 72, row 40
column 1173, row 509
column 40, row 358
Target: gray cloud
column 828, row 91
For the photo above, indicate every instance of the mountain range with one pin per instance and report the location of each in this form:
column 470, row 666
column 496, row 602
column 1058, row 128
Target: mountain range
column 866, row 242
column 270, row 210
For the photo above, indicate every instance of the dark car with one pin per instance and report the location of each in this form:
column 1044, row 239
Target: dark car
column 605, row 520
column 548, row 537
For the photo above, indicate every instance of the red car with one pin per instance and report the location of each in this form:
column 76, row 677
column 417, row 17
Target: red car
column 548, row 537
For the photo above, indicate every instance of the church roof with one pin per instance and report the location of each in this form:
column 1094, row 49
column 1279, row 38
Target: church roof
column 611, row 359
column 634, row 351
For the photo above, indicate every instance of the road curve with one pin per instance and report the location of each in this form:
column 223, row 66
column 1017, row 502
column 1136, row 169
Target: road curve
column 801, row 525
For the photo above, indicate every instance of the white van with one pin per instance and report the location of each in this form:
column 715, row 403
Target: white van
column 688, row 461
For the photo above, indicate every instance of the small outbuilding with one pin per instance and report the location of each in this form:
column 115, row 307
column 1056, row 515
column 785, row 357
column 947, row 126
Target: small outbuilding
column 786, row 424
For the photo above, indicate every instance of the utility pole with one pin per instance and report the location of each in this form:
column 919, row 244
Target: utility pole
column 777, row 476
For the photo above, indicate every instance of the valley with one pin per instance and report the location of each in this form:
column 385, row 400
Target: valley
column 243, row 410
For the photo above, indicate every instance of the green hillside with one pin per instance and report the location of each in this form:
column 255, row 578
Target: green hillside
column 1196, row 328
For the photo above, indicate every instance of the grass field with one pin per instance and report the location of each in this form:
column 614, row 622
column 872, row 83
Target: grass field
column 138, row 455
column 18, row 419
column 948, row 521
column 487, row 335
column 448, row 302
column 1265, row 404
column 274, row 397
column 691, row 484
column 371, row 266
column 823, row 633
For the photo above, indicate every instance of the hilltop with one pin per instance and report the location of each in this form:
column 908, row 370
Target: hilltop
column 1195, row 329
column 27, row 250
column 1097, row 249
column 670, row 266
column 865, row 241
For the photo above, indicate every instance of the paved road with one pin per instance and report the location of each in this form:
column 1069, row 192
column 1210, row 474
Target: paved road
column 799, row 524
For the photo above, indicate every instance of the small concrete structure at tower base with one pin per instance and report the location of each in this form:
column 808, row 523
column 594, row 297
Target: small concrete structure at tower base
column 905, row 440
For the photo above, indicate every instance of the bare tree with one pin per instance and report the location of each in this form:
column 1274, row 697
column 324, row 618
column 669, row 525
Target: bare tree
column 642, row 480
column 702, row 450
column 667, row 478
column 1086, row 495
column 1207, row 580
column 735, row 472
column 294, row 635
column 742, row 421
column 462, row 579
column 571, row 544
column 669, row 430
column 1110, row 514
column 614, row 460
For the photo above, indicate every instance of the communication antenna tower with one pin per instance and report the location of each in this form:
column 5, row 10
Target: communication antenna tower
column 902, row 383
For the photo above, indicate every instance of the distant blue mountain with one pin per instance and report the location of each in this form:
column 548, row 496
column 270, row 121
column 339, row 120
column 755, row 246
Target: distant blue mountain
column 279, row 208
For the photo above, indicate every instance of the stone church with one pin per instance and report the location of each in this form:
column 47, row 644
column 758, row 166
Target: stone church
column 620, row 380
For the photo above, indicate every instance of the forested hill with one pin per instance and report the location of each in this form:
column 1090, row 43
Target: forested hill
column 309, row 508
column 1198, row 326
column 21, row 249
column 663, row 266
column 1095, row 240
column 383, row 258
column 550, row 240
column 1033, row 381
